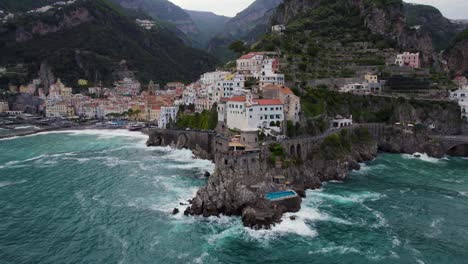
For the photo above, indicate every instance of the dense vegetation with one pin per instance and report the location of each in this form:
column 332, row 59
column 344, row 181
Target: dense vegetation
column 340, row 145
column 207, row 120
column 330, row 40
column 94, row 50
column 430, row 19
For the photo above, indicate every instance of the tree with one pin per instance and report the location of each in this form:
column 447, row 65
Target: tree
column 238, row 47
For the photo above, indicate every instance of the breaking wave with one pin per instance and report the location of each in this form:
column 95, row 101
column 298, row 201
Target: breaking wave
column 422, row 157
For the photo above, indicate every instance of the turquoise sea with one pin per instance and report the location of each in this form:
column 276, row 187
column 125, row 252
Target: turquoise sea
column 103, row 197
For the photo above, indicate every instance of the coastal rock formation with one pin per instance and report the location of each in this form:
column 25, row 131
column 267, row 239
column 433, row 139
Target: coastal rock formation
column 457, row 55
column 200, row 143
column 240, row 182
column 398, row 140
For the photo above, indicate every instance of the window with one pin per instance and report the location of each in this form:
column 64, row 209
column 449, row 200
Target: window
column 272, row 117
column 272, row 108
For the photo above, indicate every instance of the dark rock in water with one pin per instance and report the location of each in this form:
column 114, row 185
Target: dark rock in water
column 189, row 201
column 353, row 165
column 183, row 204
column 175, row 211
column 187, row 211
column 293, row 217
column 207, row 174
column 264, row 214
column 301, row 193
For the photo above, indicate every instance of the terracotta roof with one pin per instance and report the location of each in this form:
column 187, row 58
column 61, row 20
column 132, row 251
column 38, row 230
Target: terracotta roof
column 237, row 99
column 268, row 102
column 250, row 55
column 286, row 90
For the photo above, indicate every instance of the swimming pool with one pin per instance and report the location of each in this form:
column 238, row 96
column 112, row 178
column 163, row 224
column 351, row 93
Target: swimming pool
column 280, row 195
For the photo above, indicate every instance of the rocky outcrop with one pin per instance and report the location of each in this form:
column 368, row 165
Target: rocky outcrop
column 399, row 140
column 199, row 142
column 72, row 19
column 164, row 10
column 457, row 55
column 240, row 182
column 429, row 19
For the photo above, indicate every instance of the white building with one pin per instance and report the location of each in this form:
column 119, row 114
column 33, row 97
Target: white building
column 231, row 86
column 250, row 63
column 213, row 77
column 340, row 122
column 278, row 28
column 461, row 95
column 269, row 78
column 247, row 114
column 167, row 115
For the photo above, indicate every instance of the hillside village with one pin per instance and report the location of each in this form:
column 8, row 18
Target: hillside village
column 250, row 98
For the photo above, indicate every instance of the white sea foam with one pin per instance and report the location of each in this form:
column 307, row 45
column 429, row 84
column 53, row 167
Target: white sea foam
column 422, row 157
column 381, row 221
column 351, row 198
column 201, row 258
column 453, row 180
column 334, row 249
column 463, row 193
column 8, row 183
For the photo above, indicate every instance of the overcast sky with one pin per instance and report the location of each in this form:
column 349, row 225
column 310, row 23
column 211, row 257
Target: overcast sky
column 450, row 8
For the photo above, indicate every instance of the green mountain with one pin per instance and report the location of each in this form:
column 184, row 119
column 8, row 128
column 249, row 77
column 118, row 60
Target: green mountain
column 247, row 26
column 341, row 38
column 457, row 55
column 163, row 10
column 95, row 40
column 428, row 18
column 209, row 25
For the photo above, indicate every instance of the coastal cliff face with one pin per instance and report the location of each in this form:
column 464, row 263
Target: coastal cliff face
column 200, row 143
column 240, row 182
column 457, row 55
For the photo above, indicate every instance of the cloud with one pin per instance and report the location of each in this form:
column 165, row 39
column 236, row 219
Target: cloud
column 454, row 9
column 221, row 7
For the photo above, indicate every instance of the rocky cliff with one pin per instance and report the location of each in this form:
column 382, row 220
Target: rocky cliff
column 163, row 10
column 429, row 19
column 240, row 182
column 457, row 55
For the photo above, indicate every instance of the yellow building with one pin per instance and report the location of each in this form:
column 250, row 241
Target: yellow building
column 70, row 111
column 371, row 78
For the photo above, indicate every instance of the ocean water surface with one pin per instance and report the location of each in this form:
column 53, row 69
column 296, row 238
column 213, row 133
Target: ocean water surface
column 103, row 197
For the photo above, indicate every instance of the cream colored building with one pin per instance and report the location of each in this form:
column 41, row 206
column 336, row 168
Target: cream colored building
column 291, row 102
column 59, row 109
column 4, row 107
column 371, row 78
